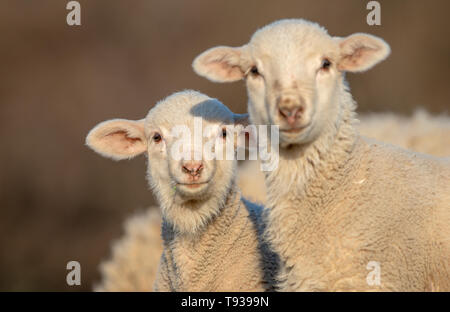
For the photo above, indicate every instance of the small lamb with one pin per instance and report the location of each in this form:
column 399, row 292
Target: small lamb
column 346, row 213
column 211, row 234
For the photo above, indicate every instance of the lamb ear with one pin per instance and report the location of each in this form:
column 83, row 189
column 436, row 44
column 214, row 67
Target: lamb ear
column 118, row 138
column 360, row 52
column 220, row 64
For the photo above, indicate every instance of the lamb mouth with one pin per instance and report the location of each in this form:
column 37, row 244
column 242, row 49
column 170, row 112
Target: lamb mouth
column 193, row 185
column 292, row 130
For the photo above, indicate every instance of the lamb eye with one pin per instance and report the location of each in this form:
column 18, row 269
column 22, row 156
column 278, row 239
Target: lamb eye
column 254, row 71
column 224, row 133
column 157, row 138
column 326, row 64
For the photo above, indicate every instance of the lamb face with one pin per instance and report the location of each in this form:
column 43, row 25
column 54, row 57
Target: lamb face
column 294, row 88
column 186, row 137
column 294, row 72
column 178, row 147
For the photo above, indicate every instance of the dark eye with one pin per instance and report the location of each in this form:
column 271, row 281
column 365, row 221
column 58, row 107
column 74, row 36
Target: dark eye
column 254, row 71
column 157, row 138
column 326, row 64
column 224, row 133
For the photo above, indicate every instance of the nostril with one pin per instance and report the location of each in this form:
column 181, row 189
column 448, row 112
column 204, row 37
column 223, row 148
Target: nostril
column 186, row 169
column 282, row 112
column 192, row 169
column 292, row 112
column 291, row 115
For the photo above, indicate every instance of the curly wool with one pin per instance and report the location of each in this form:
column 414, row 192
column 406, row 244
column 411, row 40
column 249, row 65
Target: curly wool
column 135, row 256
column 223, row 257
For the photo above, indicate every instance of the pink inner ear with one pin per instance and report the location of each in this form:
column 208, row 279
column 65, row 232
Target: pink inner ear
column 360, row 52
column 357, row 57
column 230, row 71
column 120, row 139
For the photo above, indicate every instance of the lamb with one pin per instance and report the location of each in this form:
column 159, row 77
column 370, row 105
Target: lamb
column 338, row 203
column 211, row 234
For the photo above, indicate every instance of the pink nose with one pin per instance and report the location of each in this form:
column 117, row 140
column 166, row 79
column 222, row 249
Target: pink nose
column 290, row 109
column 291, row 115
column 192, row 168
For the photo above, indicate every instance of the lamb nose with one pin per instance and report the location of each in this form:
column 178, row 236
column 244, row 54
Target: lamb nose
column 291, row 114
column 290, row 108
column 192, row 169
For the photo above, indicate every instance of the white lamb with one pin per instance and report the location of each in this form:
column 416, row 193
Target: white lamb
column 210, row 233
column 338, row 203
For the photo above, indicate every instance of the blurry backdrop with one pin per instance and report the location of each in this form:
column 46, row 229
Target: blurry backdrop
column 58, row 200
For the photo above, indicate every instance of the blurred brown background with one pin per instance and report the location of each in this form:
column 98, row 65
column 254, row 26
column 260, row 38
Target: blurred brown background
column 58, row 200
